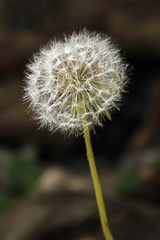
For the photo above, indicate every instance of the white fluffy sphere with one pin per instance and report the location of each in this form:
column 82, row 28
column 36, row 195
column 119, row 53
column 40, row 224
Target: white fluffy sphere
column 74, row 83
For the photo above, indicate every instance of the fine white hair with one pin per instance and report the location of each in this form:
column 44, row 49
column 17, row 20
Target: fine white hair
column 75, row 83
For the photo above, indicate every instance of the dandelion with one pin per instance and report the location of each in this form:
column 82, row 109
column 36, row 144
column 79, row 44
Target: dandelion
column 72, row 85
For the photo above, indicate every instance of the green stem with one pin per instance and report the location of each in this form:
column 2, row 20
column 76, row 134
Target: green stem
column 97, row 186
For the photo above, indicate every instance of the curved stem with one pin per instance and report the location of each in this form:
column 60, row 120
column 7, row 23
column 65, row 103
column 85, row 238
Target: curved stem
column 97, row 186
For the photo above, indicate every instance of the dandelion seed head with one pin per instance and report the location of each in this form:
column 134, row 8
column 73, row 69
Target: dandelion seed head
column 75, row 83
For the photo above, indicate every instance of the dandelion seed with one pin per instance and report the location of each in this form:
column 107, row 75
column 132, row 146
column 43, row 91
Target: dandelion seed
column 84, row 66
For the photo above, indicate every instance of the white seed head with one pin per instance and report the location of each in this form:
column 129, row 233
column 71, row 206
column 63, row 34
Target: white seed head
column 74, row 83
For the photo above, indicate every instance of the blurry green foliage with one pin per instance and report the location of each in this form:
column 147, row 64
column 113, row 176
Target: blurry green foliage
column 20, row 176
column 5, row 202
column 129, row 185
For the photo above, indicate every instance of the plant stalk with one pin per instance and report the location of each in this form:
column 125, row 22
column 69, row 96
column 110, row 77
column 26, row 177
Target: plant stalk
column 97, row 185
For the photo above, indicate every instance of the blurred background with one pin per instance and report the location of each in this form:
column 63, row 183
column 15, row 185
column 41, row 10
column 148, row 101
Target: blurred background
column 46, row 190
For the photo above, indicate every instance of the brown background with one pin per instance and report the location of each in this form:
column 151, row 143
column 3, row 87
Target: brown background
column 127, row 145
